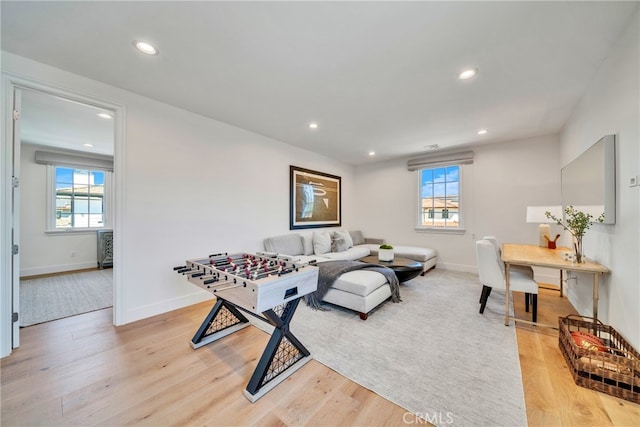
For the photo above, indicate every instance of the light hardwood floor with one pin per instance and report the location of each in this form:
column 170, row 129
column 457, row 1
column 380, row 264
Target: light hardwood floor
column 83, row 371
column 551, row 395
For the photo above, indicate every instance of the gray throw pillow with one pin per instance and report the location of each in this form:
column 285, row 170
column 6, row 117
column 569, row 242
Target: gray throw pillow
column 357, row 237
column 345, row 238
column 340, row 245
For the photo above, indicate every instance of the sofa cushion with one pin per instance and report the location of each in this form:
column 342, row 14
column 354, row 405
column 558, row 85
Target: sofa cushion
column 350, row 254
column 307, row 243
column 357, row 238
column 290, row 244
column 415, row 253
column 372, row 247
column 305, row 259
column 321, row 242
column 359, row 282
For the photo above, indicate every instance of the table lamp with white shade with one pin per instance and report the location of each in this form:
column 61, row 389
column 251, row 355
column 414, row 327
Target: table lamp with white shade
column 536, row 214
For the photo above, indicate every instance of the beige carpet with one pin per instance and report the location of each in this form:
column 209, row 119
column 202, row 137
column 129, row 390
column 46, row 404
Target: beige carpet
column 432, row 354
column 55, row 297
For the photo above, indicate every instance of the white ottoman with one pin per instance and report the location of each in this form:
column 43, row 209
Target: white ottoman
column 359, row 290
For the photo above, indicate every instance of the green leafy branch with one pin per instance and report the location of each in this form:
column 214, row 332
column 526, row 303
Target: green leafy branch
column 577, row 222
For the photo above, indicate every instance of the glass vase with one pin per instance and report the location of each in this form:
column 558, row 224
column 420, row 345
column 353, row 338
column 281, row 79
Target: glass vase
column 578, row 250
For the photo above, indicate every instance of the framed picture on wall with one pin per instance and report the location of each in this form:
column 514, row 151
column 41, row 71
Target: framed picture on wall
column 314, row 199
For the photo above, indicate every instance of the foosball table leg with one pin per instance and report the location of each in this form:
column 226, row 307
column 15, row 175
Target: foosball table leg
column 223, row 319
column 283, row 355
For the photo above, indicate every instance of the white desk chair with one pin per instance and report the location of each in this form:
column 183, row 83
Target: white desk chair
column 491, row 271
column 521, row 269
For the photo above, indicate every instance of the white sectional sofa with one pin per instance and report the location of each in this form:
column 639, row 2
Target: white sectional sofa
column 359, row 290
column 428, row 257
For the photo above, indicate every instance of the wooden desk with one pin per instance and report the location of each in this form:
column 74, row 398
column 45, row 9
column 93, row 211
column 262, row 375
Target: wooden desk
column 538, row 256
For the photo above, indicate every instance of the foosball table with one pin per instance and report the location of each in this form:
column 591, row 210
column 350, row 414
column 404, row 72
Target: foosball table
column 266, row 286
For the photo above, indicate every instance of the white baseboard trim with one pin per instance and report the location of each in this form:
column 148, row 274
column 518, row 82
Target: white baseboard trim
column 48, row 269
column 165, row 306
column 457, row 267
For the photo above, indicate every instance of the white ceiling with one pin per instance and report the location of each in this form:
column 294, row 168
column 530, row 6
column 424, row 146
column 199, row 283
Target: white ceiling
column 57, row 122
column 375, row 76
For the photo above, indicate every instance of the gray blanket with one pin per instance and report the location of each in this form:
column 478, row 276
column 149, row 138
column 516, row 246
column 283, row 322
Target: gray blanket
column 329, row 271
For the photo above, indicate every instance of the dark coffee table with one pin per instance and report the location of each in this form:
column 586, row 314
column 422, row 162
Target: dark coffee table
column 405, row 269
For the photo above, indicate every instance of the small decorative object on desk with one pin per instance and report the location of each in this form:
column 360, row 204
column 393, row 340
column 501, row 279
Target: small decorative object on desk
column 577, row 223
column 551, row 244
column 385, row 253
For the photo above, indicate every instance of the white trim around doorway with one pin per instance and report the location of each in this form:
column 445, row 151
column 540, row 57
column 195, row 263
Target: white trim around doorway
column 9, row 82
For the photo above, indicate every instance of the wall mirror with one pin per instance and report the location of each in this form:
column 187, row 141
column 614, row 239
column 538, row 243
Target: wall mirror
column 589, row 181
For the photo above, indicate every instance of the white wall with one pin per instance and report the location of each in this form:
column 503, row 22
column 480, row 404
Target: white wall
column 504, row 179
column 192, row 186
column 42, row 253
column 210, row 187
column 612, row 106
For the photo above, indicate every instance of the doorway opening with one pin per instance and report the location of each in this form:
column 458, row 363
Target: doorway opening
column 62, row 154
column 66, row 195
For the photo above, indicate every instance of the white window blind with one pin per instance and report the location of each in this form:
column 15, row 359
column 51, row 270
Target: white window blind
column 75, row 159
column 440, row 159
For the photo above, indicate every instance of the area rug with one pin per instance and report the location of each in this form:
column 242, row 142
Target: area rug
column 433, row 353
column 55, row 297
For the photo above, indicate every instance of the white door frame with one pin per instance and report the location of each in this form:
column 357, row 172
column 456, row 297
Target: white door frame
column 9, row 83
column 15, row 213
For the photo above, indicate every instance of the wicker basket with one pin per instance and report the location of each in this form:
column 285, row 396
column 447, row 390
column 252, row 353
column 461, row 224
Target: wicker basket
column 615, row 371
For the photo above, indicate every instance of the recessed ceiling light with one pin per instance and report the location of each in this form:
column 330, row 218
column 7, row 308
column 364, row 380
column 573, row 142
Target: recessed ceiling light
column 432, row 147
column 467, row 74
column 104, row 115
column 372, row 153
column 313, row 126
column 482, row 131
column 88, row 145
column 145, row 47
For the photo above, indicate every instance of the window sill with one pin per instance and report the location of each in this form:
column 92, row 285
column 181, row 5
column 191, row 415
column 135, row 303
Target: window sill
column 436, row 230
column 76, row 231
